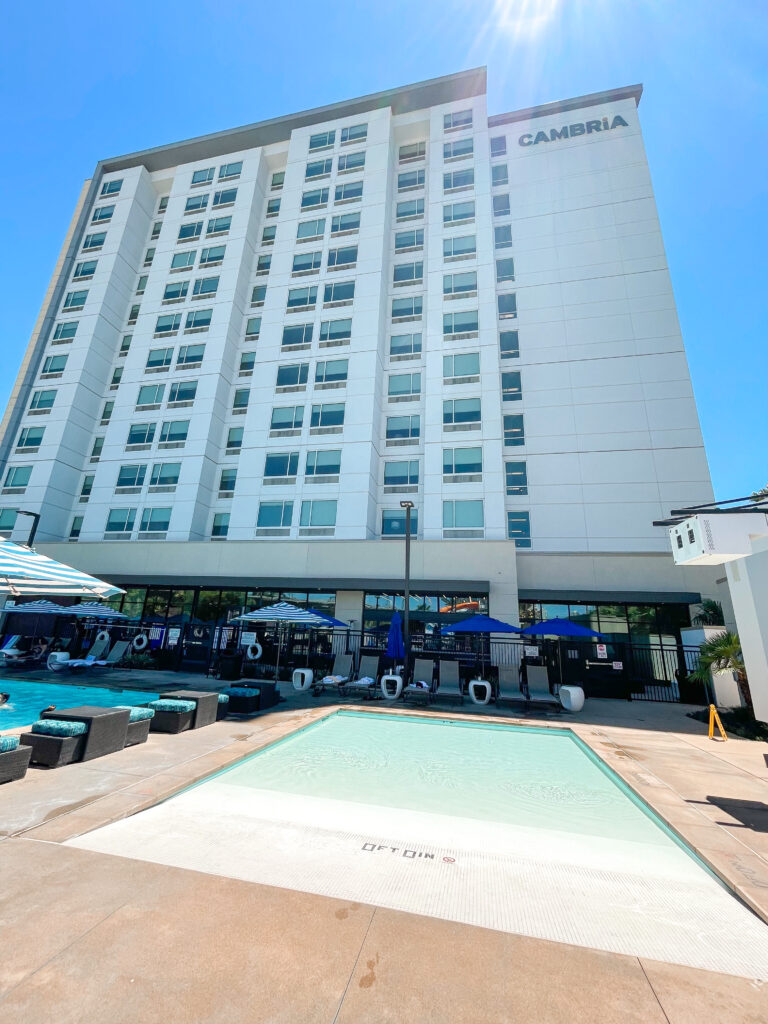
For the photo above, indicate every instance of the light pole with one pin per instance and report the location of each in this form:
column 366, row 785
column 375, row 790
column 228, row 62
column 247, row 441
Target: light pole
column 407, row 505
column 36, row 517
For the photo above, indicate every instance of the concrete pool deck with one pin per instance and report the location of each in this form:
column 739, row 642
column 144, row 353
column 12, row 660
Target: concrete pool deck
column 243, row 951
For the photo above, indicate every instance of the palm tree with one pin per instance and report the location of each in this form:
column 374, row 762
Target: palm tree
column 722, row 653
column 710, row 614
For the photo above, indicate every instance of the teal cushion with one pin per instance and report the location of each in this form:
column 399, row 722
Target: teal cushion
column 223, row 698
column 243, row 691
column 8, row 743
column 172, row 705
column 137, row 714
column 58, row 727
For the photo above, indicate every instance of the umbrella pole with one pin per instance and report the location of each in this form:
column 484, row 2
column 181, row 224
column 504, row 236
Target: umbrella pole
column 279, row 645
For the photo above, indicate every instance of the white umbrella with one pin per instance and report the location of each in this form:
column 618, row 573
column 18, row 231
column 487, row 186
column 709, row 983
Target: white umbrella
column 284, row 612
column 25, row 571
column 93, row 610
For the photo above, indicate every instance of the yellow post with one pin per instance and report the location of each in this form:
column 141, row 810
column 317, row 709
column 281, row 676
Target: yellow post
column 715, row 718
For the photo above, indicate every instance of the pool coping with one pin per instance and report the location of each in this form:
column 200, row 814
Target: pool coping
column 738, row 867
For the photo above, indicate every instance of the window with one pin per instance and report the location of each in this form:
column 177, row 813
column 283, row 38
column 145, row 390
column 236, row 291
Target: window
column 247, row 362
column 310, row 229
column 509, row 347
column 335, row 330
column 393, row 522
column 174, row 431
column 331, row 371
column 511, row 390
column 467, row 364
column 149, row 256
column 196, row 203
column 234, row 439
column 403, row 427
column 322, row 140
column 323, row 463
column 141, row 433
column 456, row 213
column 189, row 354
column 85, row 270
column 460, row 323
column 301, row 298
column 409, row 208
column 498, row 146
column 505, row 270
column 131, row 476
column 344, row 222
column 106, row 412
column 198, row 320
column 220, row 525
column 120, row 520
column 182, row 391
column 463, row 245
column 133, row 314
column 401, row 474
column 205, row 287
column 463, row 515
column 460, row 284
column 410, row 179
column 402, row 384
column 168, row 323
column 405, row 240
column 462, row 461
column 264, row 263
column 274, row 514
column 459, row 148
column 241, row 398
column 507, row 306
column 298, row 334
column 76, row 527
column 348, row 191
column 218, row 225
column 408, row 273
column 230, row 170
column 75, row 300
column 292, row 375
column 31, row 437
column 307, row 262
column 150, row 394
column 273, row 207
column 457, row 119
column 278, row 179
column 227, row 481
column 212, row 254
column 17, row 476
column 318, row 169
column 458, row 179
column 183, row 260
column 253, row 327
column 87, row 486
column 190, row 232
column 317, row 197
column 413, row 151
column 407, row 308
column 287, row 417
column 318, row 514
column 339, row 291
column 499, row 175
column 204, row 176
column 330, row 414
column 281, row 465
column 95, row 241
column 54, row 364
column 96, row 450
column 355, row 133
column 226, row 197
column 65, row 332
column 102, row 214
column 142, row 284
column 517, row 477
column 405, row 345
column 502, row 236
column 162, row 206
column 514, row 431
column 175, row 292
column 460, row 411
column 125, row 344
column 117, row 376
column 519, row 528
column 351, row 162
column 501, row 206
column 258, row 295
column 155, row 520
column 7, row 519
column 112, row 188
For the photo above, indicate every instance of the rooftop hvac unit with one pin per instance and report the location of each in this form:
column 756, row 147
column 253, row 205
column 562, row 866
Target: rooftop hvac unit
column 714, row 539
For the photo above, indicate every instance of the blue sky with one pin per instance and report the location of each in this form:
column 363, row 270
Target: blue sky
column 96, row 80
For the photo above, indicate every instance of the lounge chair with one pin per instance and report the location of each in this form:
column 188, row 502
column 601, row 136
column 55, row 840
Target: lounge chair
column 59, row 660
column 171, row 715
column 450, row 682
column 77, row 734
column 423, row 672
column 367, row 677
column 509, row 684
column 14, row 759
column 340, row 674
column 206, row 704
column 115, row 656
column 537, row 686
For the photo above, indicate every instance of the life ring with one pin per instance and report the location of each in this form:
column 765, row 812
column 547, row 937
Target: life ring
column 253, row 652
column 140, row 642
column 103, row 634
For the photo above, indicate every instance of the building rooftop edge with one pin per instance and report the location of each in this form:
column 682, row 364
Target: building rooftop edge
column 591, row 99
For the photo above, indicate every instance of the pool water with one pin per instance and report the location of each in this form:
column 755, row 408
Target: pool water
column 27, row 699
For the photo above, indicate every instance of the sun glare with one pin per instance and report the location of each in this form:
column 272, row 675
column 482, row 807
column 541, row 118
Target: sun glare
column 525, row 17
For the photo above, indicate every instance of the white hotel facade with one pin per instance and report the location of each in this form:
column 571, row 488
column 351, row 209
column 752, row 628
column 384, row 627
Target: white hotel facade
column 257, row 343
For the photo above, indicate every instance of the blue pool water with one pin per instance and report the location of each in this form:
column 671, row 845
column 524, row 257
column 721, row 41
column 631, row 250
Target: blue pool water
column 28, row 699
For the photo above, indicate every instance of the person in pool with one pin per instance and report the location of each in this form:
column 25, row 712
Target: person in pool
column 4, row 698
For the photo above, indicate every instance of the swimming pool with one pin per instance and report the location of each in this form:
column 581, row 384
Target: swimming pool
column 27, row 699
column 514, row 828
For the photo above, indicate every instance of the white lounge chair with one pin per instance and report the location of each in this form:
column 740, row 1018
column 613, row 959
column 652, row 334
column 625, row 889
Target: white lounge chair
column 367, row 677
column 421, row 682
column 509, row 684
column 538, row 686
column 338, row 676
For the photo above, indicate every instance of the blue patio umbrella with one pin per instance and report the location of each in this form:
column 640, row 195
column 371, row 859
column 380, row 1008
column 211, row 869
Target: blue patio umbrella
column 481, row 624
column 336, row 623
column 560, row 628
column 395, row 646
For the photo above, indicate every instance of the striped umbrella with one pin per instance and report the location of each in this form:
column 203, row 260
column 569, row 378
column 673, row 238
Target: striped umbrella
column 37, row 608
column 285, row 612
column 25, row 571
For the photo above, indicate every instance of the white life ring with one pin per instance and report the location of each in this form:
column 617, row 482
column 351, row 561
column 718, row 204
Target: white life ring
column 103, row 634
column 253, row 652
column 140, row 642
